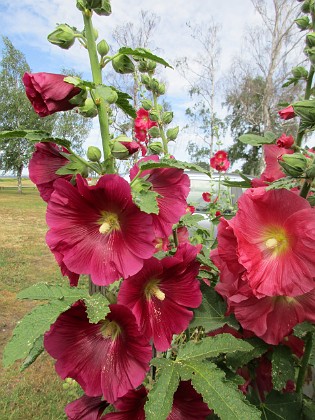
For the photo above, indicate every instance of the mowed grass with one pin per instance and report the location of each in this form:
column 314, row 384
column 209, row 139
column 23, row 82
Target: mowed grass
column 36, row 393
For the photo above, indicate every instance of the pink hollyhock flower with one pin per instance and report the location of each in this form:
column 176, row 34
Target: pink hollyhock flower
column 287, row 113
column 172, row 185
column 160, row 294
column 141, row 135
column 108, row 358
column 44, row 163
column 131, row 146
column 130, row 406
column 220, row 161
column 285, row 141
column 98, row 229
column 273, row 170
column 190, row 209
column 86, row 408
column 143, row 121
column 48, row 93
column 206, row 197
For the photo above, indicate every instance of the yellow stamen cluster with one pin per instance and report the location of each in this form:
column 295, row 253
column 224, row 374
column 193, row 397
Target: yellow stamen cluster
column 152, row 289
column 108, row 222
column 110, row 329
column 276, row 240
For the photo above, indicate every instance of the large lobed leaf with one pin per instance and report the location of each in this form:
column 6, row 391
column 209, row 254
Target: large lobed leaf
column 143, row 53
column 172, row 163
column 34, row 136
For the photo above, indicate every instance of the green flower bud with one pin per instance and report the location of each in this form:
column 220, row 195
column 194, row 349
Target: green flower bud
column 154, row 85
column 172, row 133
column 167, row 117
column 146, row 104
column 102, row 48
column 154, row 132
column 293, row 165
column 156, row 147
column 85, row 172
column 81, row 5
column 145, row 80
column 310, row 39
column 146, row 66
column 89, row 109
column 63, row 36
column 122, row 64
column 123, row 138
column 299, row 72
column 94, row 154
column 310, row 52
column 154, row 116
column 303, row 23
column 310, row 172
column 119, row 151
column 101, row 7
column 105, row 9
column 161, row 89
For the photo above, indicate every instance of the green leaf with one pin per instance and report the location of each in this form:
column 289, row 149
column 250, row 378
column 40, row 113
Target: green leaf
column 308, row 409
column 34, row 136
column 96, row 307
column 160, row 398
column 78, row 82
column 191, row 220
column 45, row 291
column 31, row 327
column 172, row 163
column 270, row 136
column 211, row 313
column 212, row 347
column 74, row 166
column 239, row 359
column 282, row 367
column 143, row 53
column 220, row 395
column 281, row 406
column 145, row 198
column 19, row 133
column 206, row 261
column 124, row 104
column 255, row 140
column 35, row 351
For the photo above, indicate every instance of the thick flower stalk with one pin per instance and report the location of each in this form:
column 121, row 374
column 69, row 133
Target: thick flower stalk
column 98, row 229
column 108, row 358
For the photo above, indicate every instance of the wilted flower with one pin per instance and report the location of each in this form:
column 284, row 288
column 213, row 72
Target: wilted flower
column 287, row 113
column 285, row 141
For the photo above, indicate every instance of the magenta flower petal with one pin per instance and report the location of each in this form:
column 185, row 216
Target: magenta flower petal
column 98, row 229
column 108, row 358
column 130, row 406
column 44, row 163
column 172, row 185
column 86, row 408
column 161, row 293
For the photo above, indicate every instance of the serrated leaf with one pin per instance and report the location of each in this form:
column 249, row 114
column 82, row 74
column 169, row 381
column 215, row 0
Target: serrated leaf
column 35, row 351
column 74, row 166
column 143, row 53
column 160, row 398
column 282, row 367
column 211, row 313
column 220, row 395
column 76, row 81
column 191, row 220
column 254, row 139
column 10, row 134
column 45, row 291
column 124, row 104
column 96, row 307
column 288, row 183
column 240, row 359
column 212, row 347
column 206, row 261
column 279, row 406
column 31, row 327
column 34, row 136
column 172, row 163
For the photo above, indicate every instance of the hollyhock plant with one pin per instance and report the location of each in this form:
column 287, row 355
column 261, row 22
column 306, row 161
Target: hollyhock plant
column 160, row 294
column 285, row 141
column 287, row 113
column 220, row 161
column 86, row 408
column 43, row 165
column 98, row 229
column 143, row 121
column 108, row 358
column 172, row 185
column 49, row 93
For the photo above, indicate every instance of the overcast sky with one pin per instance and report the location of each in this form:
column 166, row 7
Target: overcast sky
column 28, row 22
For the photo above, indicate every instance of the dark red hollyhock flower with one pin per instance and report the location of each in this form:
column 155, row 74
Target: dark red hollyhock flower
column 172, row 185
column 273, row 170
column 44, row 163
column 220, row 161
column 160, row 294
column 98, row 229
column 190, row 209
column 206, row 197
column 108, row 358
column 287, row 113
column 130, row 406
column 86, row 408
column 49, row 93
column 285, row 141
column 131, row 146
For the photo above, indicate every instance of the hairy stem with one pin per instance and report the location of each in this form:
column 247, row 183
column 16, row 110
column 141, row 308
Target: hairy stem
column 305, row 360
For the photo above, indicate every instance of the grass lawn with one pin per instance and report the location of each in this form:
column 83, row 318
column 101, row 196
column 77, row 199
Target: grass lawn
column 36, row 393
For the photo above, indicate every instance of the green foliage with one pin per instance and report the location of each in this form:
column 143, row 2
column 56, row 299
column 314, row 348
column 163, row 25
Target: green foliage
column 143, row 53
column 96, row 307
column 124, row 104
column 239, row 359
column 281, row 407
column 144, row 197
column 255, row 140
column 172, row 163
column 33, row 136
column 191, row 220
column 282, row 367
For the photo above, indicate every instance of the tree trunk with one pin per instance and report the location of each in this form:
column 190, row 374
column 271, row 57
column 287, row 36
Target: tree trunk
column 19, row 179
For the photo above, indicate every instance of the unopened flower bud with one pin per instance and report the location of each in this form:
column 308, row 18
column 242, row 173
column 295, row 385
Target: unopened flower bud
column 146, row 66
column 145, row 80
column 303, row 23
column 89, row 109
column 161, row 89
column 294, row 164
column 154, row 116
column 172, row 133
column 310, row 172
column 122, row 64
column 146, row 104
column 102, row 48
column 310, row 39
column 101, row 7
column 63, row 36
column 167, row 117
column 306, row 6
column 154, row 85
column 154, row 132
column 299, row 72
column 156, row 147
column 85, row 172
column 94, row 154
column 81, row 5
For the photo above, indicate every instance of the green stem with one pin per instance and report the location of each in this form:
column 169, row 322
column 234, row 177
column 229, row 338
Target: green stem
column 306, row 188
column 97, row 79
column 175, row 237
column 88, row 164
column 162, row 134
column 305, row 361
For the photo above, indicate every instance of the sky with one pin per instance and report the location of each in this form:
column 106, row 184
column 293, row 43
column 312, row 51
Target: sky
column 28, row 22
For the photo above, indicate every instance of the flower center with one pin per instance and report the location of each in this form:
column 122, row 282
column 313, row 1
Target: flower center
column 152, row 289
column 110, row 329
column 108, row 222
column 276, row 240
